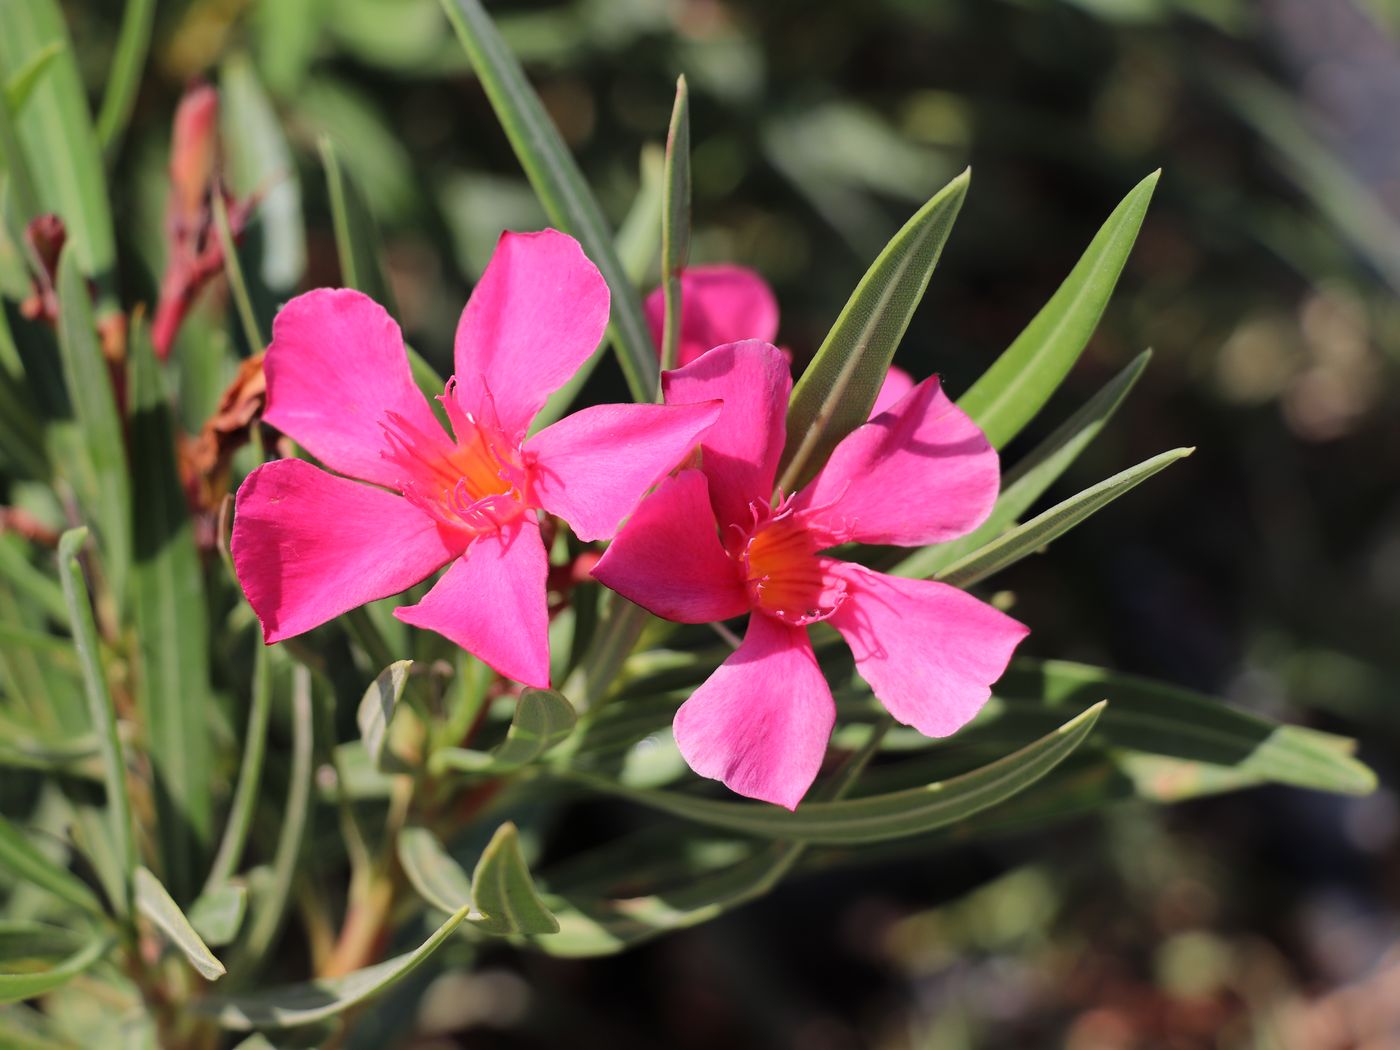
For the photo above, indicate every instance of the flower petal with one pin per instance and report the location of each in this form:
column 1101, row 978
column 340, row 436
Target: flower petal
column 897, row 383
column 929, row 651
column 335, row 368
column 307, row 545
column 538, row 312
column 491, row 602
column 592, row 467
column 761, row 722
column 668, row 557
column 740, row 452
column 920, row 473
column 719, row 304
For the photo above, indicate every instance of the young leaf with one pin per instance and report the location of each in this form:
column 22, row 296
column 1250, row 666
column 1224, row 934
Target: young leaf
column 302, row 1004
column 154, row 902
column 504, row 898
column 558, row 183
column 675, row 222
column 438, row 878
column 879, row 817
column 167, row 597
column 839, row 387
column 1028, row 480
column 1021, row 380
column 20, row 857
column 376, row 711
column 29, row 983
column 543, row 719
column 1012, row 546
column 107, row 496
column 101, row 714
column 218, row 914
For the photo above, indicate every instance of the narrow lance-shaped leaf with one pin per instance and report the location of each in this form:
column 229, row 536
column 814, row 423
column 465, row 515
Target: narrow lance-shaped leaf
column 1012, row 546
column 59, row 143
column 558, row 183
column 101, row 479
column 101, row 714
column 376, row 712
column 1021, row 380
column 19, row 856
column 878, row 817
column 1028, row 480
column 543, row 719
column 28, row 984
column 124, row 76
column 167, row 596
column 156, row 904
column 675, row 223
column 838, row 389
column 22, row 82
column 302, row 1004
column 504, row 898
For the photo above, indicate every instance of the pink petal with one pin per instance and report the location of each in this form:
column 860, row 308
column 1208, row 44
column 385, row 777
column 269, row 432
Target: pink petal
column 536, row 315
column 929, row 651
column 719, row 304
column 761, row 722
column 307, row 545
column 668, row 558
column 335, row 367
column 897, row 383
column 592, row 467
column 491, row 602
column 920, row 473
column 740, row 452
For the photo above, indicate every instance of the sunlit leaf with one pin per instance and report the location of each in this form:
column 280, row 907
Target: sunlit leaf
column 504, row 898
column 543, row 719
column 376, row 712
column 155, row 903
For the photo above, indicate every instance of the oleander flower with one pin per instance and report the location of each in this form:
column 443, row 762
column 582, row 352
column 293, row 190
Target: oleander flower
column 724, row 303
column 309, row 545
column 712, row 543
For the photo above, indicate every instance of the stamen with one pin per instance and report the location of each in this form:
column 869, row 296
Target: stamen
column 783, row 574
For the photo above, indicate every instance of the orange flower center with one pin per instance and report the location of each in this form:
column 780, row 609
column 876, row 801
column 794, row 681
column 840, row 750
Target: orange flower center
column 473, row 483
column 783, row 574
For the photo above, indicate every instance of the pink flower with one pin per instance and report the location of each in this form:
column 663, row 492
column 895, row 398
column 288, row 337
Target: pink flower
column 709, row 544
column 309, row 545
column 724, row 304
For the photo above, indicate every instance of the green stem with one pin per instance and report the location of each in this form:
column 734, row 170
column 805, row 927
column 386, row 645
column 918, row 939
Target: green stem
column 245, row 795
column 234, row 271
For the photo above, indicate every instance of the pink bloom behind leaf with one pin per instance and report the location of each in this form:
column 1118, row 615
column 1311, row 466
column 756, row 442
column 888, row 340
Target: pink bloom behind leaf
column 711, row 543
column 726, row 304
column 309, row 545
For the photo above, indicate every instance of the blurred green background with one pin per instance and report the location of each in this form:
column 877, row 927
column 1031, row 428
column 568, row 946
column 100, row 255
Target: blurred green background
column 1265, row 569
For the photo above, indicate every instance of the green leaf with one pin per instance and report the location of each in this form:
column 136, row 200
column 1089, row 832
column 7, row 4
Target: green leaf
column 438, row 878
column 154, row 902
column 838, row 389
column 245, row 794
column 675, row 223
column 101, row 714
column 1012, row 546
column 1021, row 380
column 1028, row 480
column 260, row 161
column 167, row 597
column 106, row 497
column 20, row 856
column 23, row 81
column 313, row 1001
column 376, row 711
column 59, row 144
column 558, row 183
column 1163, row 720
column 218, row 914
column 543, row 719
column 356, row 235
column 878, row 817
column 28, row 983
column 29, row 581
column 124, row 78
column 504, row 897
